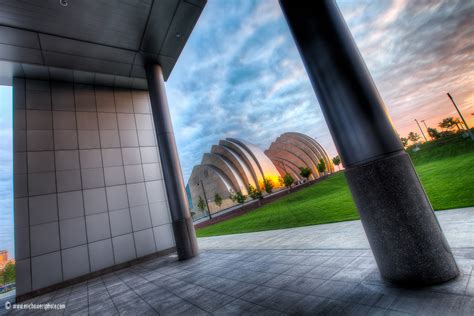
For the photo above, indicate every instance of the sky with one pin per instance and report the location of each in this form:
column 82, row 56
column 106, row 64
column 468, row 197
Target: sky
column 240, row 74
column 6, row 171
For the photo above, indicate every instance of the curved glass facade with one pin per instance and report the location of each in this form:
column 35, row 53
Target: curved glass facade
column 291, row 151
column 234, row 164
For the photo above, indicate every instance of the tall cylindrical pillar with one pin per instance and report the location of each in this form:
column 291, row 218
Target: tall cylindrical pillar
column 183, row 228
column 404, row 234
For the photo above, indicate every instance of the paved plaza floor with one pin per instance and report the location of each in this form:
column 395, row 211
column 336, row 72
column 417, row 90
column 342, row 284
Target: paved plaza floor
column 271, row 273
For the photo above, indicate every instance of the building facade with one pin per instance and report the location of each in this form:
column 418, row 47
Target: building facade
column 89, row 188
column 291, row 151
column 235, row 165
column 97, row 178
column 232, row 166
column 3, row 258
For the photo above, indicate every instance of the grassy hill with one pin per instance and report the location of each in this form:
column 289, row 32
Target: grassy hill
column 445, row 167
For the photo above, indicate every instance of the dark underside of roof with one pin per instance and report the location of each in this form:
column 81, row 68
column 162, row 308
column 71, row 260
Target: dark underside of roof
column 93, row 41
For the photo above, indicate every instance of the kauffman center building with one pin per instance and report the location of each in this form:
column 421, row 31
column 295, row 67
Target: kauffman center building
column 234, row 164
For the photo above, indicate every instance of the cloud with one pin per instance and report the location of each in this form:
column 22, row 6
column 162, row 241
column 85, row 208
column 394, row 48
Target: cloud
column 240, row 74
column 425, row 51
column 391, row 15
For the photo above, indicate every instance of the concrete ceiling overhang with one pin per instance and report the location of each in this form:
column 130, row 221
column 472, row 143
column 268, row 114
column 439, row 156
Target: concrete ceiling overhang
column 93, row 41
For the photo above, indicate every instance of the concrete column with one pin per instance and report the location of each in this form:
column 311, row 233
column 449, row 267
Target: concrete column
column 183, row 227
column 406, row 239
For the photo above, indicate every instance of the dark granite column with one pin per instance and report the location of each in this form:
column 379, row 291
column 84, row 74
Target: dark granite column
column 183, row 227
column 406, row 239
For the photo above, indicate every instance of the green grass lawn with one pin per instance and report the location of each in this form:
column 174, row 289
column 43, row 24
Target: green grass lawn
column 445, row 167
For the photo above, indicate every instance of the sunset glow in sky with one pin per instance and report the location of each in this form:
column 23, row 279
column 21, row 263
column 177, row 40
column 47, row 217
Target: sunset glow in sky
column 240, row 74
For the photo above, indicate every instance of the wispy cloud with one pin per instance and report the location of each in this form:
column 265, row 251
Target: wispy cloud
column 240, row 74
column 426, row 50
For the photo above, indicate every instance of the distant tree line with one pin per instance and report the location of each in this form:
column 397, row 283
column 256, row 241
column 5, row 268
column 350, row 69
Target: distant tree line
column 449, row 126
column 7, row 274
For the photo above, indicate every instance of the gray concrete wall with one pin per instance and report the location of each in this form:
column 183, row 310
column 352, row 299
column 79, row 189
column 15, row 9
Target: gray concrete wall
column 89, row 191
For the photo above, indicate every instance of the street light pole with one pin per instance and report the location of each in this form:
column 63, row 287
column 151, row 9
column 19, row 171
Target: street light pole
column 424, row 123
column 426, row 127
column 205, row 198
column 462, row 117
column 421, row 130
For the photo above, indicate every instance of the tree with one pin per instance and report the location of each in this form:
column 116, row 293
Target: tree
column 254, row 193
column 458, row 123
column 305, row 172
column 337, row 161
column 404, row 141
column 434, row 134
column 446, row 133
column 288, row 180
column 201, row 204
column 218, row 200
column 268, row 185
column 9, row 273
column 280, row 181
column 449, row 123
column 413, row 137
column 238, row 197
column 322, row 166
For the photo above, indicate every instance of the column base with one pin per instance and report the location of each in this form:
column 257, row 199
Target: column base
column 184, row 235
column 403, row 231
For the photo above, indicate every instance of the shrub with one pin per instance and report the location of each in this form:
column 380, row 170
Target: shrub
column 288, row 180
column 337, row 161
column 268, row 185
column 321, row 166
column 201, row 204
column 238, row 197
column 254, row 193
column 218, row 199
column 305, row 172
column 446, row 133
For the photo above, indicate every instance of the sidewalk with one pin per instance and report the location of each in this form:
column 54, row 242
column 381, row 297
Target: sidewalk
column 457, row 224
